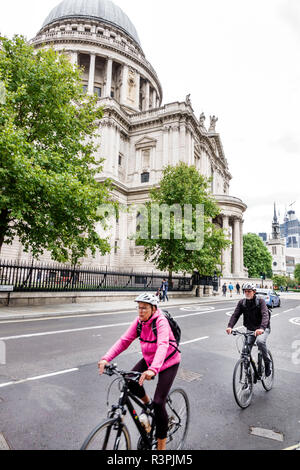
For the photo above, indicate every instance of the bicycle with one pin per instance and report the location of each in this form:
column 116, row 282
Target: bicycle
column 247, row 372
column 113, row 434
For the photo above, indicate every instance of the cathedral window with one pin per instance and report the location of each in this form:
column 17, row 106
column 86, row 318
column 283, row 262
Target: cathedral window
column 145, row 177
column 97, row 91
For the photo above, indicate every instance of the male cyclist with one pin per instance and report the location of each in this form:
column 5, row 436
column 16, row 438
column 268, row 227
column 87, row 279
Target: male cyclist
column 160, row 356
column 256, row 318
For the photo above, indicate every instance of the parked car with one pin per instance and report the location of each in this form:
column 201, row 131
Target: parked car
column 271, row 298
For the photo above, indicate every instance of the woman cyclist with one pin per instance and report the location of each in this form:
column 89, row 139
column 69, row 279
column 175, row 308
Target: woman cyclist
column 160, row 357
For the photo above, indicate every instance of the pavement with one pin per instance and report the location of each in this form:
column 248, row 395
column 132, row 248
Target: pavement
column 19, row 313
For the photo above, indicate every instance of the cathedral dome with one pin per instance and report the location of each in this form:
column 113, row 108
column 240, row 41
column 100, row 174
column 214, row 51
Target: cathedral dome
column 102, row 10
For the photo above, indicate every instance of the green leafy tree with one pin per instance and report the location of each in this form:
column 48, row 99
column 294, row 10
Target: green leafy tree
column 169, row 248
column 297, row 273
column 48, row 193
column 256, row 256
column 279, row 281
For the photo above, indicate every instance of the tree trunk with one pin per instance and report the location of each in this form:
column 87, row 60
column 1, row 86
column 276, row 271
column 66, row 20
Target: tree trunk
column 3, row 225
column 170, row 281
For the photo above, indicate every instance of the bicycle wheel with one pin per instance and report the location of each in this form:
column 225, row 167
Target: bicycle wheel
column 108, row 436
column 178, row 409
column 268, row 381
column 242, row 384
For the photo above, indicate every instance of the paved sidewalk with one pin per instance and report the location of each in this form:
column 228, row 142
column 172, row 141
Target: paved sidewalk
column 18, row 313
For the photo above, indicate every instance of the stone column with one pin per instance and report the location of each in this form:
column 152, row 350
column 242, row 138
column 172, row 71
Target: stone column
column 147, row 96
column 165, row 159
column 124, row 86
column 226, row 252
column 108, row 78
column 154, row 99
column 74, row 58
column 92, row 74
column 242, row 247
column 182, row 142
column 236, row 246
column 137, row 90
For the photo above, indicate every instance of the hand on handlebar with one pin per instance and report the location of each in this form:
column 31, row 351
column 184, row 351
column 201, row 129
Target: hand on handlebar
column 101, row 366
column 147, row 375
column 259, row 332
column 229, row 331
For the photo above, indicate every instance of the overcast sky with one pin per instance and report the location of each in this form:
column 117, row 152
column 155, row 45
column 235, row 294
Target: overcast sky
column 239, row 60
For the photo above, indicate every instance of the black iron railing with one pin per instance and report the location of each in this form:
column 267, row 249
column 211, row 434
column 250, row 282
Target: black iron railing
column 41, row 277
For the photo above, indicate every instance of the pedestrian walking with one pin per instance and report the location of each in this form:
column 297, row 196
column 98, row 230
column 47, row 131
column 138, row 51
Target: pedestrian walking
column 224, row 289
column 164, row 287
column 238, row 288
column 230, row 287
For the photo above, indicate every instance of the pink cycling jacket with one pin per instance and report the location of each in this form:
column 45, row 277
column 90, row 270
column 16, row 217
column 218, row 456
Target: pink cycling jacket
column 153, row 353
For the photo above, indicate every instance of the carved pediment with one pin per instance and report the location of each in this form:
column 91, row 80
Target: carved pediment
column 145, row 142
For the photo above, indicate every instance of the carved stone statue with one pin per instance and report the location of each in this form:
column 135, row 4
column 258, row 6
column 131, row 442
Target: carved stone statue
column 188, row 99
column 213, row 121
column 202, row 120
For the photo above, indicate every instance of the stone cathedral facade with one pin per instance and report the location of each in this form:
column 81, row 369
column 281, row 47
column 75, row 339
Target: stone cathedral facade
column 139, row 134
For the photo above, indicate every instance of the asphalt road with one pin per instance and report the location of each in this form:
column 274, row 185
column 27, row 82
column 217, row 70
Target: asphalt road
column 51, row 395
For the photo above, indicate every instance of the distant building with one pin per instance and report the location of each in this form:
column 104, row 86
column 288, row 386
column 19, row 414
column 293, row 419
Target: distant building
column 277, row 248
column 263, row 236
column 290, row 230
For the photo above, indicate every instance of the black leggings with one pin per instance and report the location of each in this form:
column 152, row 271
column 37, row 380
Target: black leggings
column 165, row 381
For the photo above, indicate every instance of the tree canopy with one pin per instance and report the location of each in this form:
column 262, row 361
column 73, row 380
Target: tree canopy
column 49, row 196
column 257, row 257
column 185, row 240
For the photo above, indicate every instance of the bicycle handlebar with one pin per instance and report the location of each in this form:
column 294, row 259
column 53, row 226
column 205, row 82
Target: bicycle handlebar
column 111, row 369
column 236, row 332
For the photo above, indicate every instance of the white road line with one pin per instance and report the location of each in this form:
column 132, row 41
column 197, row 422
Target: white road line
column 113, row 325
column 74, row 330
column 38, row 377
column 194, row 340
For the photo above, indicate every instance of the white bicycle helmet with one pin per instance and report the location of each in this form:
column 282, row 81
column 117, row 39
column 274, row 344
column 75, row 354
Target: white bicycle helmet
column 249, row 286
column 147, row 298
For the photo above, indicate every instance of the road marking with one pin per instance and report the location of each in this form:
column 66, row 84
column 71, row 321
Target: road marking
column 288, row 310
column 38, row 377
column 295, row 447
column 82, row 314
column 193, row 340
column 267, row 433
column 197, row 308
column 112, row 325
column 198, row 313
column 3, row 443
column 74, row 330
column 295, row 321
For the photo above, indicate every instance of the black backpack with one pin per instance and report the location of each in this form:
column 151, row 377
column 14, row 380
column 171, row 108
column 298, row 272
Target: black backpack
column 174, row 327
column 257, row 303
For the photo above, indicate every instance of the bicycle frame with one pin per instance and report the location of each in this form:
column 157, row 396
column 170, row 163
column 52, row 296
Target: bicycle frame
column 246, row 357
column 125, row 402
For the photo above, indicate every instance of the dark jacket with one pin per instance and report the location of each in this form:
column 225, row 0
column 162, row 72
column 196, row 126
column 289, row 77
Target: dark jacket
column 255, row 317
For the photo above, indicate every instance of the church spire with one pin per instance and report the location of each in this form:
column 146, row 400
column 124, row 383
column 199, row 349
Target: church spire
column 275, row 225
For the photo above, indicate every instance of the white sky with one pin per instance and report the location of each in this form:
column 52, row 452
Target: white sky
column 239, row 60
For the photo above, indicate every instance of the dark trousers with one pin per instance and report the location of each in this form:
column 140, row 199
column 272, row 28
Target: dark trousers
column 165, row 381
column 261, row 342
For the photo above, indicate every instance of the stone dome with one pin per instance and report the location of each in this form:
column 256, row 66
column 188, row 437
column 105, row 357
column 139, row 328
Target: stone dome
column 102, row 10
